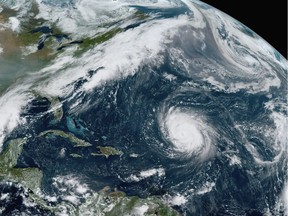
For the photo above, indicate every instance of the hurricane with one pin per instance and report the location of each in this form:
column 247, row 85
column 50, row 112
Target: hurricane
column 155, row 107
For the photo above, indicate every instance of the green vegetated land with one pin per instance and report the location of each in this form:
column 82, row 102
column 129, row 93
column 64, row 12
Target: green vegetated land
column 98, row 39
column 69, row 136
column 29, row 177
column 104, row 202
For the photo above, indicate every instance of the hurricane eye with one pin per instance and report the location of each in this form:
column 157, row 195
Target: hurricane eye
column 187, row 133
column 184, row 132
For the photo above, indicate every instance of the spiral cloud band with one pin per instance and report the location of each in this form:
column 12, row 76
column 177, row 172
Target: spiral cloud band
column 188, row 133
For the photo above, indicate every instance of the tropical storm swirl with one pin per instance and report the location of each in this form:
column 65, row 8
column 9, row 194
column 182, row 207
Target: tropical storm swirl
column 139, row 108
column 187, row 131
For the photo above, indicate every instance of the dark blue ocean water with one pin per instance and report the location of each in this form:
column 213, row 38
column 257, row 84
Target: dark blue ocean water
column 125, row 115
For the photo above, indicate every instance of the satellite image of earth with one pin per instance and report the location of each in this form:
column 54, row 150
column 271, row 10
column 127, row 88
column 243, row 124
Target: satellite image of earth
column 139, row 107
